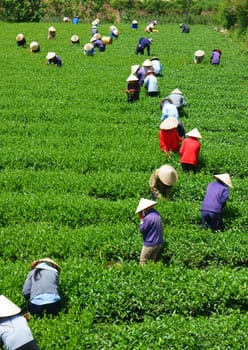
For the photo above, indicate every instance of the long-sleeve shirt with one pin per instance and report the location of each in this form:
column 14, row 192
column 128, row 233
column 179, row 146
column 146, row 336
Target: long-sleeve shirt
column 169, row 110
column 215, row 57
column 56, row 60
column 141, row 74
column 157, row 66
column 178, row 100
column 215, row 198
column 145, row 43
column 151, row 228
column 169, row 140
column 189, row 151
column 98, row 43
column 14, row 332
column 47, row 282
column 151, row 83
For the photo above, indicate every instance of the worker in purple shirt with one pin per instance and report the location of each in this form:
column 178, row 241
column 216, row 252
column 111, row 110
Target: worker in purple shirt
column 217, row 193
column 215, row 57
column 53, row 58
column 151, row 230
column 144, row 43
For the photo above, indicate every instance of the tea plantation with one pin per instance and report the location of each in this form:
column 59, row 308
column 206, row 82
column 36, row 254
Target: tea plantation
column 75, row 160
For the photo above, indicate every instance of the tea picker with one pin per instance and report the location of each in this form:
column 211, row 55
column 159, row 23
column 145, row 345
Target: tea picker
column 151, row 230
column 14, row 330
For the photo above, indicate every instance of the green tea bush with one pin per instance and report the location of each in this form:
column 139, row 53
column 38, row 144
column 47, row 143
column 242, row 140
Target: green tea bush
column 75, row 160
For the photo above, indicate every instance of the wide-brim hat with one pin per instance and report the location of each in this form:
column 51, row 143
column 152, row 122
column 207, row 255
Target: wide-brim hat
column 194, row 133
column 147, row 63
column 116, row 32
column 134, row 21
column 132, row 77
column 45, row 260
column 7, row 307
column 52, row 29
column 113, row 28
column 75, row 38
column 199, row 53
column 134, row 68
column 167, row 174
column 154, row 58
column 169, row 123
column 97, row 36
column 34, row 46
column 151, row 40
column 88, row 47
column 144, row 204
column 225, row 178
column 176, row 91
column 19, row 37
column 50, row 55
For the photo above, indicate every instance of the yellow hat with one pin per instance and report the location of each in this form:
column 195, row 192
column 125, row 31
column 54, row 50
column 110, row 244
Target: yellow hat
column 225, row 178
column 7, row 308
column 144, row 204
column 45, row 260
column 169, row 123
column 167, row 174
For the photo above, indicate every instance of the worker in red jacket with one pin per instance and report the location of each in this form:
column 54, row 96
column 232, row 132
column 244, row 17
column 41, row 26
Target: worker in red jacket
column 168, row 136
column 190, row 150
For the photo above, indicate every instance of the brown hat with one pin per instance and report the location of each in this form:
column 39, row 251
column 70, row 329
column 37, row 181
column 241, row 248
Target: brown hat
column 144, row 204
column 225, row 178
column 169, row 123
column 7, row 308
column 45, row 260
column 167, row 174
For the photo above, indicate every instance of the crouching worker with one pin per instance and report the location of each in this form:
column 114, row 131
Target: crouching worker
column 53, row 58
column 41, row 288
column 162, row 180
column 21, row 41
column 151, row 230
column 15, row 333
column 133, row 88
column 215, row 198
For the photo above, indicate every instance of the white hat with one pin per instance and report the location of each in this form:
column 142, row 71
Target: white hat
column 34, row 46
column 52, row 29
column 134, row 21
column 132, row 77
column 225, row 178
column 75, row 38
column 113, row 28
column 151, row 40
column 147, row 63
column 7, row 308
column 144, row 204
column 167, row 174
column 199, row 53
column 88, row 48
column 176, row 91
column 134, row 68
column 194, row 133
column 50, row 55
column 116, row 32
column 19, row 37
column 169, row 123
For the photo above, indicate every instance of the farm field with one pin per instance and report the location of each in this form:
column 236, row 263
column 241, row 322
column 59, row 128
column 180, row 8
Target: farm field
column 75, row 160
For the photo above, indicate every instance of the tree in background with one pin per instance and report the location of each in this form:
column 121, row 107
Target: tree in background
column 22, row 10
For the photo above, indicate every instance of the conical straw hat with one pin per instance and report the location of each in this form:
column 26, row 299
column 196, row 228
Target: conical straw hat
column 176, row 91
column 194, row 133
column 225, row 178
column 144, row 204
column 34, row 46
column 167, row 174
column 7, row 308
column 147, row 63
column 75, row 38
column 132, row 77
column 19, row 37
column 88, row 47
column 50, row 55
column 52, row 29
column 169, row 123
column 134, row 68
column 45, row 260
column 199, row 53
